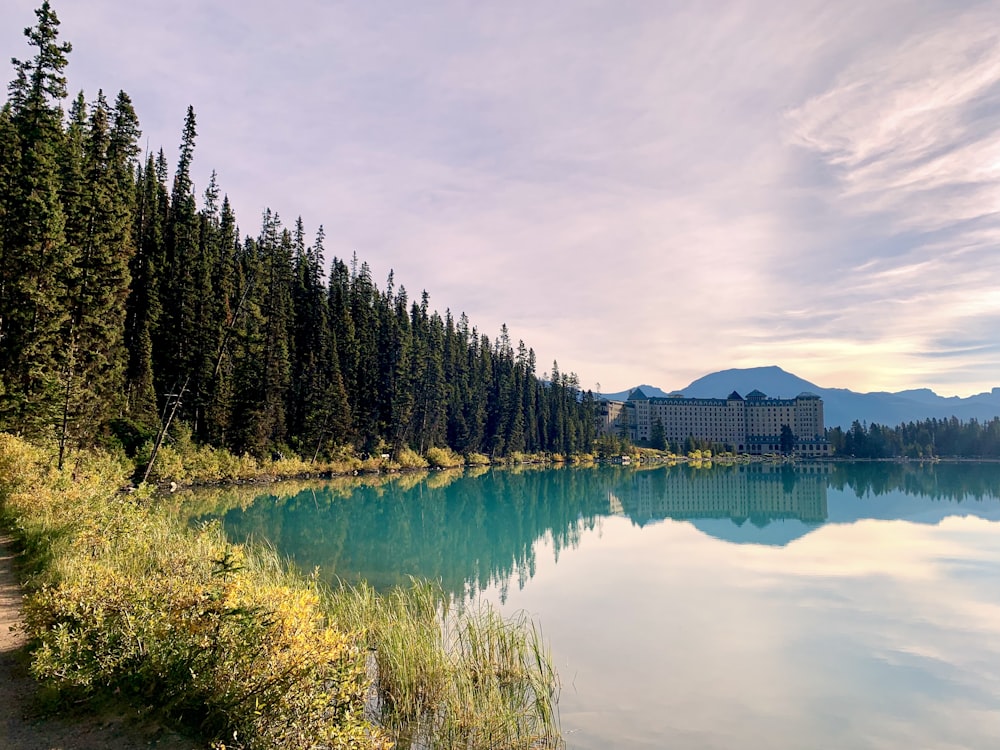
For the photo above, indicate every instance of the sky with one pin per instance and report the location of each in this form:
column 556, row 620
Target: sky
column 646, row 192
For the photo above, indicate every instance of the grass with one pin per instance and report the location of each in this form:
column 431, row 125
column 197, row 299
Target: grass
column 123, row 598
column 456, row 679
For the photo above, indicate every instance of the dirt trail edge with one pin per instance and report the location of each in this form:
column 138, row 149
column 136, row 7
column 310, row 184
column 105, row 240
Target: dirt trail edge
column 24, row 727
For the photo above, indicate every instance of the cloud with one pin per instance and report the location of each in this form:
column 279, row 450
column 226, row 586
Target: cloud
column 646, row 191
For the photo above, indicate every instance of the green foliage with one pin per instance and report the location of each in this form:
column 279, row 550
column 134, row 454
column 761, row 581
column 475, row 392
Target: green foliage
column 443, row 458
column 930, row 438
column 127, row 600
column 37, row 264
column 787, row 440
column 658, row 439
column 610, row 445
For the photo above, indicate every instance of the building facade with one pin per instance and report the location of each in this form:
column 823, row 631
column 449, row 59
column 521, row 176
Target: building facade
column 745, row 425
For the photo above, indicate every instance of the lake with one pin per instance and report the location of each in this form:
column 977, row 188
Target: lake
column 819, row 606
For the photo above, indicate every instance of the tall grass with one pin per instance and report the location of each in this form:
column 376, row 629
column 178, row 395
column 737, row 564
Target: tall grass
column 454, row 678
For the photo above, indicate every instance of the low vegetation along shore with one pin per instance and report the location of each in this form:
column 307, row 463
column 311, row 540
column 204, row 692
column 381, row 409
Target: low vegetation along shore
column 222, row 639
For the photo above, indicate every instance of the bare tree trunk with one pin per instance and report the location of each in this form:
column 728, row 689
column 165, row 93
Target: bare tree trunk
column 163, row 429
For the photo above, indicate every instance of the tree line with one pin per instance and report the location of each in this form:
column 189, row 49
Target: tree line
column 126, row 301
column 929, row 438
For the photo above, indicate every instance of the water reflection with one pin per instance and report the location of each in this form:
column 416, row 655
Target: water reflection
column 751, row 607
column 759, row 493
column 472, row 531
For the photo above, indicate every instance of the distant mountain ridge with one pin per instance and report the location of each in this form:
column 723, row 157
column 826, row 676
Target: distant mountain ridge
column 841, row 406
column 649, row 390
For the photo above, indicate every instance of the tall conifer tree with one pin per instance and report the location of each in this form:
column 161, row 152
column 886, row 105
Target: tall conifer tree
column 93, row 377
column 143, row 307
column 36, row 257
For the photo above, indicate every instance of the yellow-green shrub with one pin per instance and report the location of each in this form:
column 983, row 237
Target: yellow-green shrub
column 127, row 599
column 443, row 458
column 410, row 459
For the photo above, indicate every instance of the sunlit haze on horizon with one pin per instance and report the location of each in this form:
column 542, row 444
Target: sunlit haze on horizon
column 644, row 191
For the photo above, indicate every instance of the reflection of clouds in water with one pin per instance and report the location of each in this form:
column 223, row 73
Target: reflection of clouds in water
column 877, row 634
column 912, row 619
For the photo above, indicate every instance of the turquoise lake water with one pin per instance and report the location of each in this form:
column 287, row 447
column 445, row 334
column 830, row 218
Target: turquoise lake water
column 826, row 606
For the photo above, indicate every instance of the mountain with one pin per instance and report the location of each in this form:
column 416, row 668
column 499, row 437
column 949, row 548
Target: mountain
column 649, row 390
column 840, row 405
column 773, row 381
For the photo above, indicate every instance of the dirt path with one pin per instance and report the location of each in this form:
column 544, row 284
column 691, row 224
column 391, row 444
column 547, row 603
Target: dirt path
column 23, row 726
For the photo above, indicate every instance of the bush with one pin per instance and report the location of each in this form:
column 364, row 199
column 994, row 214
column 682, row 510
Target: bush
column 443, row 458
column 477, row 459
column 127, row 600
column 410, row 459
column 230, row 653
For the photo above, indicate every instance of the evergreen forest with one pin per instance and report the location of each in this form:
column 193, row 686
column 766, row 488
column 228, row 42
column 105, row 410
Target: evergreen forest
column 126, row 300
column 929, row 438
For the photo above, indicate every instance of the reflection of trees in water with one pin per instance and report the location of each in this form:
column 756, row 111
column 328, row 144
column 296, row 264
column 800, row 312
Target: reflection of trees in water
column 471, row 532
column 939, row 481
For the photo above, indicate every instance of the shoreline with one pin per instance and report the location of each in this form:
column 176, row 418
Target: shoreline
column 265, row 478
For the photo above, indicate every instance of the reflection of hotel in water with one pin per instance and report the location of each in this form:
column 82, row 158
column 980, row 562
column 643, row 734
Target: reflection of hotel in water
column 757, row 492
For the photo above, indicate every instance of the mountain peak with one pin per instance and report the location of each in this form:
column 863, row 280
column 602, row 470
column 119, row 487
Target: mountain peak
column 770, row 379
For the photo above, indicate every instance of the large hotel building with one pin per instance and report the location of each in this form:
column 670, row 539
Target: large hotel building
column 744, row 425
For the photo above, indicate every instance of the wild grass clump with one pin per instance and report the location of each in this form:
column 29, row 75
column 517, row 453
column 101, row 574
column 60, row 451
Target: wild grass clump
column 516, row 458
column 443, row 458
column 180, row 459
column 216, row 636
column 454, row 679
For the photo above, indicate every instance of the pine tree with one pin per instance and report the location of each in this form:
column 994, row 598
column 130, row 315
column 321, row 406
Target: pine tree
column 364, row 380
column 262, row 373
column 102, row 234
column 208, row 326
column 227, row 308
column 143, row 307
column 173, row 347
column 318, row 401
column 343, row 329
column 36, row 257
